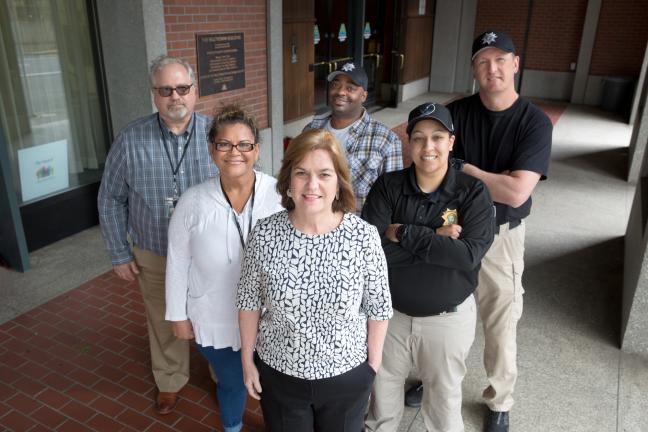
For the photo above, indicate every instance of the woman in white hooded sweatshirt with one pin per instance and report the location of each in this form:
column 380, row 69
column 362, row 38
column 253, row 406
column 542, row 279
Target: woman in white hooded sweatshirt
column 207, row 235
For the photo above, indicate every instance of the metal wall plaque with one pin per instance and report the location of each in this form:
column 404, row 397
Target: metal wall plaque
column 221, row 62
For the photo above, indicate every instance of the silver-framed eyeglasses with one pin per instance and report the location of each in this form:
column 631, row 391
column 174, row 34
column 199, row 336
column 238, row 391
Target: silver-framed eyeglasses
column 243, row 146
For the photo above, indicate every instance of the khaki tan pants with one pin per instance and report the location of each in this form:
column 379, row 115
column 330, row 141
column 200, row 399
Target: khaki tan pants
column 437, row 347
column 499, row 300
column 169, row 355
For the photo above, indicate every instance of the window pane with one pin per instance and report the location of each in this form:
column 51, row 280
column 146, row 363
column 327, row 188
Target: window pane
column 51, row 111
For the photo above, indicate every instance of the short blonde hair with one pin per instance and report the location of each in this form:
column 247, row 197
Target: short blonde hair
column 300, row 146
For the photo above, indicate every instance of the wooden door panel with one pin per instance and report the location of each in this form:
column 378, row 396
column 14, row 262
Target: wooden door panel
column 298, row 82
column 299, row 88
column 418, row 48
column 418, row 31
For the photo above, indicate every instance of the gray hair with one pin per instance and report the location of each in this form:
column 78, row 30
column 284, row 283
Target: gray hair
column 163, row 61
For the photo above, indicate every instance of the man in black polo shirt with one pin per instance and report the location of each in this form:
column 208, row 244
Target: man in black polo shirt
column 506, row 143
column 436, row 225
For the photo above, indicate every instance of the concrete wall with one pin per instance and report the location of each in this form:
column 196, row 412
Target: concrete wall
column 634, row 325
column 640, row 84
column 445, row 48
column 593, row 90
column 273, row 153
column 454, row 24
column 639, row 139
column 413, row 89
column 547, row 84
column 582, row 92
column 132, row 34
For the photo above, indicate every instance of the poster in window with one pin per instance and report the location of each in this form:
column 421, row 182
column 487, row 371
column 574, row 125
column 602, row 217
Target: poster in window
column 43, row 169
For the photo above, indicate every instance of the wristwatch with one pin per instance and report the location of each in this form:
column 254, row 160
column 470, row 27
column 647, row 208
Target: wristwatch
column 457, row 163
column 401, row 232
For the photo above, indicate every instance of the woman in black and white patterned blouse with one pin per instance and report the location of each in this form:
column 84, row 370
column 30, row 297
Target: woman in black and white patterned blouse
column 313, row 297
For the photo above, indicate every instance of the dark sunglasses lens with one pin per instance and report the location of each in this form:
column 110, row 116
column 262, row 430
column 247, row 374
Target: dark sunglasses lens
column 183, row 90
column 165, row 91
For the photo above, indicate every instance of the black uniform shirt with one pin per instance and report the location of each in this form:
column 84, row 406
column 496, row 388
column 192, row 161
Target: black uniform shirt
column 517, row 138
column 430, row 273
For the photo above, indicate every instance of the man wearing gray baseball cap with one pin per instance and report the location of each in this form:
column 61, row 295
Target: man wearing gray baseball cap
column 371, row 147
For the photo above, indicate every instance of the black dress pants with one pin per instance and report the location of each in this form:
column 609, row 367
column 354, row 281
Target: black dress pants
column 335, row 404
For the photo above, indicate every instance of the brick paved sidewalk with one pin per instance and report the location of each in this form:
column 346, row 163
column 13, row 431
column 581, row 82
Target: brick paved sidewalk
column 81, row 363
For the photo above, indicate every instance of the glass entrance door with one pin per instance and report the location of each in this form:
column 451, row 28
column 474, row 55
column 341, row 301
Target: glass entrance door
column 335, row 43
column 50, row 107
column 344, row 33
column 373, row 34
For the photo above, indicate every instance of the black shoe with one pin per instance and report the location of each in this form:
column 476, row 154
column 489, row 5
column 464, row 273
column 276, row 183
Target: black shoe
column 414, row 395
column 497, row 421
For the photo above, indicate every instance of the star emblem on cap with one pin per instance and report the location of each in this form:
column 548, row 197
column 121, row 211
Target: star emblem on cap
column 489, row 38
column 348, row 67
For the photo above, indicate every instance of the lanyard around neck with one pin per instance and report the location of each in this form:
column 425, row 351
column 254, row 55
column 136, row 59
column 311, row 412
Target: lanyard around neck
column 174, row 171
column 238, row 226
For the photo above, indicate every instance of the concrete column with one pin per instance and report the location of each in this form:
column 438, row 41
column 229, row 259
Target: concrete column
column 636, row 152
column 132, row 34
column 637, row 96
column 590, row 25
column 454, row 28
column 634, row 324
column 464, row 75
column 447, row 25
column 272, row 151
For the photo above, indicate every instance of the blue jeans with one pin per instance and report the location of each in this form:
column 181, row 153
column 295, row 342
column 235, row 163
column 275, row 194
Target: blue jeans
column 230, row 390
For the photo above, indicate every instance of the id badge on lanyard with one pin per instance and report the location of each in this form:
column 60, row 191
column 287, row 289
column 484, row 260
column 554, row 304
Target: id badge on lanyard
column 171, row 202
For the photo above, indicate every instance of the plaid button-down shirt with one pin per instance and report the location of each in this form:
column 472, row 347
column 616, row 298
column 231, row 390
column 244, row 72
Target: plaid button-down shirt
column 138, row 179
column 372, row 149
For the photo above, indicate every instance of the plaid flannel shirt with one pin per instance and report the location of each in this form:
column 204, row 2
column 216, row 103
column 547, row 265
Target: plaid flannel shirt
column 372, row 149
column 138, row 178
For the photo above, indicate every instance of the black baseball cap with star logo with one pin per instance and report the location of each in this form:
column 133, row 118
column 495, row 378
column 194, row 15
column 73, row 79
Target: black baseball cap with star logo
column 356, row 73
column 492, row 39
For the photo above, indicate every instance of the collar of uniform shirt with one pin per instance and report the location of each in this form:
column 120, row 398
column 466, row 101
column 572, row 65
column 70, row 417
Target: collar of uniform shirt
column 445, row 190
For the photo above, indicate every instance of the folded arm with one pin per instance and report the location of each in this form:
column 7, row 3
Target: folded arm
column 511, row 188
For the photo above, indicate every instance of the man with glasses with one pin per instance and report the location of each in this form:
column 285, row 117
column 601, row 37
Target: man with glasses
column 371, row 147
column 505, row 142
column 150, row 163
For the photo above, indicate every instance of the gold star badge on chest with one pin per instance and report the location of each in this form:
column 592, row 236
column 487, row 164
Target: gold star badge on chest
column 450, row 216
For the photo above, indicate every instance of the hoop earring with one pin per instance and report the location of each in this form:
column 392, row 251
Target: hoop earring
column 289, row 193
column 337, row 195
